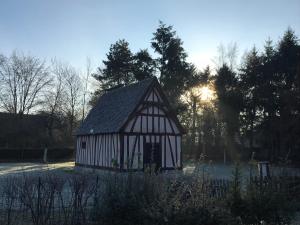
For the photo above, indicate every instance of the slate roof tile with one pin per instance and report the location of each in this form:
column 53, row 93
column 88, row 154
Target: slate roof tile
column 113, row 109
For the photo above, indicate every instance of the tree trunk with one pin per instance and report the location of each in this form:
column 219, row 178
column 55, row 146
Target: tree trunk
column 193, row 134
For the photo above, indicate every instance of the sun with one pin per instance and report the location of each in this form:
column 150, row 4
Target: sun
column 204, row 93
column 200, row 96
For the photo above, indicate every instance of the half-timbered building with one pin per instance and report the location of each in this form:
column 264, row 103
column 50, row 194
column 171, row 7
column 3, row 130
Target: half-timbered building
column 131, row 128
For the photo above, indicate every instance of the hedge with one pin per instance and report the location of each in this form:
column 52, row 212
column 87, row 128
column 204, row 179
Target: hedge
column 35, row 154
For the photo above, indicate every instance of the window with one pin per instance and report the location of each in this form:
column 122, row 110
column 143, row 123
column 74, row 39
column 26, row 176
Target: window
column 83, row 145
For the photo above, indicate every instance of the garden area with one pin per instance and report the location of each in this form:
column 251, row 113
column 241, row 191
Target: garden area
column 62, row 195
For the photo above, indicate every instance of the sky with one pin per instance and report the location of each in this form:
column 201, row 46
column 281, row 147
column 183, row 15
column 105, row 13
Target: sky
column 72, row 30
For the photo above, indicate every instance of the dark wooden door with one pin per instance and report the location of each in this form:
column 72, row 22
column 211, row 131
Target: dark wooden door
column 152, row 156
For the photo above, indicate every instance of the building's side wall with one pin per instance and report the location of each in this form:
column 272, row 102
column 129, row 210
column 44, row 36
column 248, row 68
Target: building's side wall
column 100, row 151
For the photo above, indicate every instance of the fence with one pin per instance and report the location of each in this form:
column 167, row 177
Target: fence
column 290, row 185
column 219, row 188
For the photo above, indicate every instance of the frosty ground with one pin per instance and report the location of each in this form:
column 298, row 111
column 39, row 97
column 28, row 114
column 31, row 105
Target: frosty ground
column 214, row 170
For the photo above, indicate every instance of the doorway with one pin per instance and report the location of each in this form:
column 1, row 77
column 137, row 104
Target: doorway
column 152, row 156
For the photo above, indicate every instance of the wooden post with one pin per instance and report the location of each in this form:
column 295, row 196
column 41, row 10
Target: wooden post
column 45, row 155
column 263, row 169
column 224, row 155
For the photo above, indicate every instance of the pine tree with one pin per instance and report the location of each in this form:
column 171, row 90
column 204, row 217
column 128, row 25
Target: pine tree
column 174, row 71
column 287, row 61
column 250, row 80
column 144, row 65
column 269, row 100
column 118, row 68
column 229, row 106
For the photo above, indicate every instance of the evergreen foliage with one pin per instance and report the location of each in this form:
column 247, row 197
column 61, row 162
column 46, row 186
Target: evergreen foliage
column 175, row 72
column 118, row 68
column 257, row 104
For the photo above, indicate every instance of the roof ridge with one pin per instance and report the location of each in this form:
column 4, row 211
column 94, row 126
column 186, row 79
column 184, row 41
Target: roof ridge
column 130, row 85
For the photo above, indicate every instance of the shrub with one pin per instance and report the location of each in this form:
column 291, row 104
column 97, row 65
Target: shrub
column 151, row 199
column 260, row 200
column 142, row 199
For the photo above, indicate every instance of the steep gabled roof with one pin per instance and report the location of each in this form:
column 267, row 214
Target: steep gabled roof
column 114, row 107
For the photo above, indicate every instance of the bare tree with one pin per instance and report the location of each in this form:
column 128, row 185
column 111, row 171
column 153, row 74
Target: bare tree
column 22, row 81
column 220, row 59
column 88, row 72
column 232, row 53
column 2, row 58
column 73, row 89
column 63, row 98
column 54, row 96
column 226, row 55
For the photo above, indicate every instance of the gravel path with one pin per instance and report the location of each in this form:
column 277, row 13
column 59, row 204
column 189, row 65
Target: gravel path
column 7, row 169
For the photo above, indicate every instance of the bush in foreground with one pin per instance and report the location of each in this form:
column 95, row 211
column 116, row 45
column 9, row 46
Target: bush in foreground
column 143, row 199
